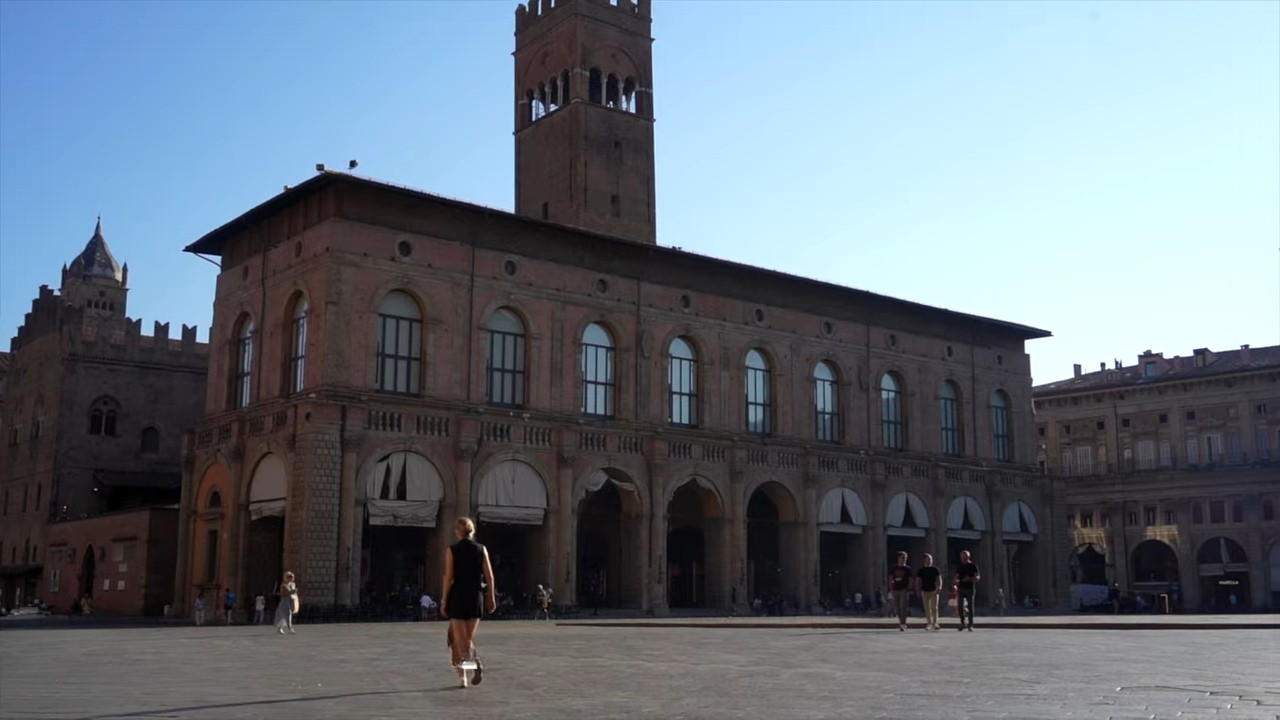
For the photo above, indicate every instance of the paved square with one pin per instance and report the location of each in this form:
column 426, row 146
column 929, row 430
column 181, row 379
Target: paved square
column 544, row 670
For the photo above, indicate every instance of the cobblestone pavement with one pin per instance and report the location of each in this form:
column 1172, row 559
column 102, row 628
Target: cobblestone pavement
column 545, row 670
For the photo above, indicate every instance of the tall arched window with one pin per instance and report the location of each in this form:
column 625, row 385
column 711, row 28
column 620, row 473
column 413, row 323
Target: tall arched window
column 298, row 346
column 682, row 382
column 949, row 418
column 597, row 372
column 399, row 357
column 506, row 378
column 244, row 365
column 1000, row 426
column 891, row 421
column 826, row 408
column 759, row 406
column 595, row 86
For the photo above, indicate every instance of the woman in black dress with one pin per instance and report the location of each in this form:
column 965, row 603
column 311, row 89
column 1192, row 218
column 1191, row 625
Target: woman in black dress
column 466, row 563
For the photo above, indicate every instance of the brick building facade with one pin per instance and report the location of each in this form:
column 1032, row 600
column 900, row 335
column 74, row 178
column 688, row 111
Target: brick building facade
column 94, row 414
column 1170, row 471
column 636, row 425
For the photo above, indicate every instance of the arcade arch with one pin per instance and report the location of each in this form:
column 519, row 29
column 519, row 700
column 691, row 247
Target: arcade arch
column 264, row 550
column 610, row 561
column 402, row 495
column 1020, row 531
column 511, row 504
column 1223, row 568
column 842, row 518
column 906, row 522
column 696, row 546
column 773, row 544
column 966, row 526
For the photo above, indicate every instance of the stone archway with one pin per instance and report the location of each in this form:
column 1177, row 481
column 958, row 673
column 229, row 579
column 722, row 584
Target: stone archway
column 264, row 551
column 610, row 561
column 695, row 546
column 774, row 565
column 402, row 494
column 1021, row 530
column 1223, row 568
column 511, row 506
column 842, row 518
column 1089, row 565
column 906, row 524
column 966, row 529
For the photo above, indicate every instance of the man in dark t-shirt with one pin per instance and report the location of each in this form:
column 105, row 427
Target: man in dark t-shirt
column 929, row 580
column 967, row 577
column 900, row 585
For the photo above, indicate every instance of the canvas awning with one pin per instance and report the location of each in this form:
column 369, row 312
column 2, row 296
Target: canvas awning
column 907, row 515
column 842, row 511
column 512, row 493
column 962, row 509
column 267, row 488
column 1019, row 522
column 403, row 489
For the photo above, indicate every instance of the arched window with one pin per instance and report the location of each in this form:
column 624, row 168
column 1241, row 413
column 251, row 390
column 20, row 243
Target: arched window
column 215, row 500
column 564, row 87
column 541, row 101
column 243, row 389
column 531, row 101
column 399, row 355
column 1000, row 426
column 629, row 95
column 949, row 418
column 612, row 91
column 506, row 377
column 597, row 372
column 826, row 407
column 891, row 422
column 759, row 406
column 298, row 346
column 553, row 94
column 150, row 444
column 595, row 86
column 103, row 417
column 682, row 383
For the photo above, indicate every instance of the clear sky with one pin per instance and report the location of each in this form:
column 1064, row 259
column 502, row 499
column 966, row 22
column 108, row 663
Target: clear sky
column 1107, row 171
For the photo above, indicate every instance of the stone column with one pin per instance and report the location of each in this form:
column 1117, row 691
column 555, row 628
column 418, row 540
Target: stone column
column 1119, row 550
column 736, row 535
column 560, row 562
column 186, row 520
column 344, row 584
column 656, row 578
column 808, row 529
column 319, row 451
column 234, row 525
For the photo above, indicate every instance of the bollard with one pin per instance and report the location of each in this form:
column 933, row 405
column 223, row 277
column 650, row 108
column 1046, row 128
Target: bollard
column 1164, row 599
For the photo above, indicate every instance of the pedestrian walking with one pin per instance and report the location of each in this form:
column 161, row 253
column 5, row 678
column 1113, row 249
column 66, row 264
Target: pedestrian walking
column 900, row 587
column 200, row 607
column 543, row 598
column 466, row 568
column 967, row 577
column 288, row 604
column 929, row 580
column 259, row 609
column 428, row 605
column 229, row 604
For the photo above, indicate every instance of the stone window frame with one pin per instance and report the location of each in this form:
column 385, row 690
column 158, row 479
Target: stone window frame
column 893, row 421
column 826, row 402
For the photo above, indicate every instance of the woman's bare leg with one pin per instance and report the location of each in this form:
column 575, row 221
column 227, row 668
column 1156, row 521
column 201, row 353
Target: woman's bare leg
column 469, row 635
column 457, row 631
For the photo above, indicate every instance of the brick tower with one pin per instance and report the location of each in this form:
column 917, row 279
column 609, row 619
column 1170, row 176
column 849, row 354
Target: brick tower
column 584, row 115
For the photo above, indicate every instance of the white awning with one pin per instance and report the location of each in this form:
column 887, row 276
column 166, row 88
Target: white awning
column 960, row 508
column 403, row 489
column 597, row 479
column 842, row 511
column 1019, row 522
column 267, row 488
column 512, row 493
column 897, row 513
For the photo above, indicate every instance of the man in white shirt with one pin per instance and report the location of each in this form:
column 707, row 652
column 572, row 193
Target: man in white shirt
column 428, row 607
column 259, row 609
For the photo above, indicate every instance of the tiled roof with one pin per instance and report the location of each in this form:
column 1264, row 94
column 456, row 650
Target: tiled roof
column 96, row 260
column 1175, row 369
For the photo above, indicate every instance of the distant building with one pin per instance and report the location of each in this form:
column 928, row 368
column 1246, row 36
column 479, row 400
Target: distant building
column 1171, row 475
column 93, row 416
column 635, row 425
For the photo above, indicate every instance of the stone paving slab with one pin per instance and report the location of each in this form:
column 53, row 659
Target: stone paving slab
column 549, row 670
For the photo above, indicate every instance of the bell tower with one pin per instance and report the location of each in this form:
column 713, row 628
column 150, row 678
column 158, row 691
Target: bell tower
column 584, row 115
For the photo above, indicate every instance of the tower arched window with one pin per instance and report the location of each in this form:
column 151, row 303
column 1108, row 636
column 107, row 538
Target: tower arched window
column 104, row 417
column 612, row 92
column 541, row 100
column 215, row 500
column 506, row 358
column 298, row 345
column 949, row 418
column 826, row 408
column 629, row 95
column 243, row 388
column 530, row 102
column 892, row 425
column 598, row 382
column 682, row 383
column 1001, row 446
column 595, row 86
column 399, row 354
column 759, row 401
column 150, row 441
column 565, row 94
column 553, row 94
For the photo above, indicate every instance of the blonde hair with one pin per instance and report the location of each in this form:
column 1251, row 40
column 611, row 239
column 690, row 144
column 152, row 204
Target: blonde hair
column 465, row 526
column 289, row 575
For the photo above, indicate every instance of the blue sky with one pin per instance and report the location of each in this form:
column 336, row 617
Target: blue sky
column 1106, row 171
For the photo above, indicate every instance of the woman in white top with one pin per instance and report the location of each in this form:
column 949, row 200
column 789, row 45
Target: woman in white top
column 288, row 604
